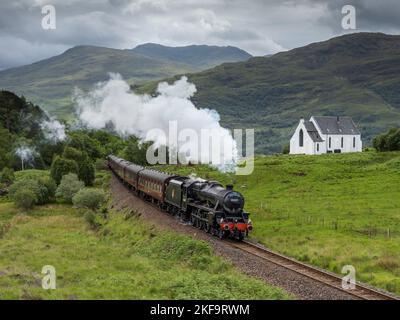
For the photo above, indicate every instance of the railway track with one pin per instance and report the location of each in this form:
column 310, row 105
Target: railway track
column 361, row 291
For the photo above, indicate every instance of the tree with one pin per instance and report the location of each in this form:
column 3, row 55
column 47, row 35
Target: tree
column 89, row 199
column 69, row 186
column 136, row 152
column 61, row 167
column 86, row 171
column 388, row 141
column 81, row 141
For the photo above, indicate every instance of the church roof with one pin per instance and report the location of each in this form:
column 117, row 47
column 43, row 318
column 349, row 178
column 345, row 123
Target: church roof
column 336, row 125
column 312, row 131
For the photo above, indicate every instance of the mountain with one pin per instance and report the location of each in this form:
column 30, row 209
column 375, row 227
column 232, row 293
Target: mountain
column 355, row 75
column 50, row 82
column 198, row 56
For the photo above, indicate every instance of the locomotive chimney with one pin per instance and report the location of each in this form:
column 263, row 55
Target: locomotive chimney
column 229, row 187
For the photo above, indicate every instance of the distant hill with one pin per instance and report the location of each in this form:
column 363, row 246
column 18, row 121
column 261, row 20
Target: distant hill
column 356, row 75
column 50, row 82
column 197, row 56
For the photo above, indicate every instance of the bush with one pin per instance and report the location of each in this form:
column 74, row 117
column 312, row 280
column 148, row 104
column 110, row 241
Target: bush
column 389, row 141
column 7, row 176
column 89, row 198
column 69, row 186
column 24, row 198
column 48, row 189
column 90, row 218
column 43, row 188
column 286, row 149
column 100, row 164
column 60, row 167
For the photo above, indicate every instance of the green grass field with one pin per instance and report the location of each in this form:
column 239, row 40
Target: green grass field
column 123, row 259
column 329, row 210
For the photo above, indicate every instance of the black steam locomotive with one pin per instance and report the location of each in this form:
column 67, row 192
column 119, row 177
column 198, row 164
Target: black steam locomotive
column 207, row 205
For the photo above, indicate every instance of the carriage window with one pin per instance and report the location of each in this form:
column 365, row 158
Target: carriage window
column 341, row 142
column 301, row 138
column 318, row 147
column 330, row 142
column 354, row 142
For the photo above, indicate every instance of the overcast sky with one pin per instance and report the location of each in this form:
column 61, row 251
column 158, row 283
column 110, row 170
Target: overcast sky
column 259, row 26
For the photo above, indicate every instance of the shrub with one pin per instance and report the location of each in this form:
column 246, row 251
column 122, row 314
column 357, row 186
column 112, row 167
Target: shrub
column 89, row 198
column 43, row 188
column 90, row 218
column 389, row 141
column 48, row 189
column 7, row 176
column 24, row 198
column 69, row 186
column 60, row 167
column 286, row 149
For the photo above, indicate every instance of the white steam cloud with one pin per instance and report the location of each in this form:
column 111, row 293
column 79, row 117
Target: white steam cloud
column 53, row 130
column 139, row 115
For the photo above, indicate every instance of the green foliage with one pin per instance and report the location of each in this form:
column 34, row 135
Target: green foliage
column 7, row 176
column 136, row 152
column 389, row 141
column 61, row 167
column 43, row 189
column 68, row 187
column 286, row 148
column 86, row 172
column 82, row 141
column 89, row 198
column 5, row 147
column 24, row 198
column 85, row 164
column 90, row 218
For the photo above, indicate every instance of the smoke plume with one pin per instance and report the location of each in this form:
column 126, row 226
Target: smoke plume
column 27, row 155
column 53, row 130
column 133, row 114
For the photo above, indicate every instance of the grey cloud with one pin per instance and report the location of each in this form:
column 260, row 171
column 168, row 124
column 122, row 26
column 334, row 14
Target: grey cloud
column 258, row 26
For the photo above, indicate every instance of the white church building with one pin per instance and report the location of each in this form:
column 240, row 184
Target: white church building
column 322, row 135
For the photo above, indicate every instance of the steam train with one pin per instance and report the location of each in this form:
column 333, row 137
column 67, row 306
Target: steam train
column 206, row 205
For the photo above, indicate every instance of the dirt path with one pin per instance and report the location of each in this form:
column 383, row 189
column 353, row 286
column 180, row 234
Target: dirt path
column 300, row 286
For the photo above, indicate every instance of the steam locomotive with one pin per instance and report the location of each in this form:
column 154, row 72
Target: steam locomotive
column 206, row 205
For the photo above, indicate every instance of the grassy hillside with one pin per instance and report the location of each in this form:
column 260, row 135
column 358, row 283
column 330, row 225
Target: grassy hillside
column 329, row 210
column 200, row 57
column 355, row 75
column 125, row 258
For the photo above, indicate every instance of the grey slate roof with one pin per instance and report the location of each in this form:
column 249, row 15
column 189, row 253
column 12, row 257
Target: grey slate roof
column 312, row 131
column 336, row 125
